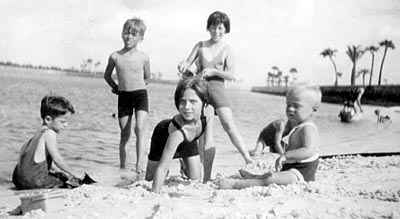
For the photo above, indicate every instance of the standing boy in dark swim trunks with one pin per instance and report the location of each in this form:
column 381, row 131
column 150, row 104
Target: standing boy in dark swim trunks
column 38, row 154
column 133, row 71
column 299, row 162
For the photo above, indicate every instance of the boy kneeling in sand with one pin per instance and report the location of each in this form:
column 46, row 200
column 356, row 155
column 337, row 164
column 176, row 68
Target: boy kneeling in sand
column 37, row 155
column 300, row 160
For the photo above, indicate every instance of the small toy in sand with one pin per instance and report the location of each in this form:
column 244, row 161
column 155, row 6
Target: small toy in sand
column 46, row 201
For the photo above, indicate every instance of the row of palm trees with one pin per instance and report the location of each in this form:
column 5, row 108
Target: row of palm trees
column 89, row 66
column 277, row 76
column 355, row 53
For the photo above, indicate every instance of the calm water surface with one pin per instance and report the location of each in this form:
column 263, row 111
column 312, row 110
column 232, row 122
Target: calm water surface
column 91, row 141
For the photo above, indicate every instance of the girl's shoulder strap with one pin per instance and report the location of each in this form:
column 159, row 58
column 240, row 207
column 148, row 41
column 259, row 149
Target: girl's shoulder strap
column 179, row 128
column 302, row 125
column 308, row 123
column 203, row 120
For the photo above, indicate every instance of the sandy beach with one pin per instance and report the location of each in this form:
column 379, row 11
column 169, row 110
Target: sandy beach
column 345, row 187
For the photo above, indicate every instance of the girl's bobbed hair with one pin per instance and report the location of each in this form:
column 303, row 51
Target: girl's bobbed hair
column 195, row 83
column 218, row 17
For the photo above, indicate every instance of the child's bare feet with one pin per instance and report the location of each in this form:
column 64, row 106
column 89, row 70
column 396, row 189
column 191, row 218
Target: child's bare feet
column 246, row 174
column 226, row 183
column 139, row 169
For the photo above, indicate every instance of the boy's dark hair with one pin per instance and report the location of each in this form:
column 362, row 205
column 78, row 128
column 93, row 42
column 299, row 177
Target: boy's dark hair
column 55, row 106
column 194, row 83
column 135, row 23
column 218, row 17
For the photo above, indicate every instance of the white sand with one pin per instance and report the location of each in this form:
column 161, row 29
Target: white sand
column 346, row 187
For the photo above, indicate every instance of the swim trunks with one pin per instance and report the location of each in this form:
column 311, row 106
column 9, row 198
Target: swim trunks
column 216, row 86
column 304, row 171
column 160, row 136
column 216, row 94
column 129, row 100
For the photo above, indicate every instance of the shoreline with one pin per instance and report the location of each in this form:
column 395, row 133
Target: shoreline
column 385, row 95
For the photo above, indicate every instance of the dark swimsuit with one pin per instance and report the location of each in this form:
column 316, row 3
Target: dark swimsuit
column 160, row 136
column 31, row 175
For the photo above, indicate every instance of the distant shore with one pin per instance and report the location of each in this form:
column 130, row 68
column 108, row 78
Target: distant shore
column 386, row 95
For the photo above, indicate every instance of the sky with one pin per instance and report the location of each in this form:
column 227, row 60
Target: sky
column 264, row 33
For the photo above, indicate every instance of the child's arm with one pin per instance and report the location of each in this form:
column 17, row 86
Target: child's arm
column 184, row 65
column 146, row 70
column 50, row 139
column 229, row 68
column 108, row 73
column 174, row 139
column 209, row 149
column 279, row 126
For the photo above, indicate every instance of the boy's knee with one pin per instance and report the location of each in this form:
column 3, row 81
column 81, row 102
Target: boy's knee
column 125, row 134
column 139, row 129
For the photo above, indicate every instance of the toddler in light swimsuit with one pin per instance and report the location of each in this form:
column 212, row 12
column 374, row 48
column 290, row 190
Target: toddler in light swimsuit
column 299, row 161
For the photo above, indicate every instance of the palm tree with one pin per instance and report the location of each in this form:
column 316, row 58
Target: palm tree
column 89, row 64
column 286, row 78
column 279, row 78
column 330, row 53
column 293, row 71
column 96, row 66
column 354, row 53
column 339, row 75
column 363, row 72
column 387, row 44
column 372, row 50
column 275, row 69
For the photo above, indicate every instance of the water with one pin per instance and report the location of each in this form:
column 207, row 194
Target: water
column 90, row 142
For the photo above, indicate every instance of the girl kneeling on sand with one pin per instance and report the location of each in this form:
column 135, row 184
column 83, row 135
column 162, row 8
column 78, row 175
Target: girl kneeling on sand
column 177, row 137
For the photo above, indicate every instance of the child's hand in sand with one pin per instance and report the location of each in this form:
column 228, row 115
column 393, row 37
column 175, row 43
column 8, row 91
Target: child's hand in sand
column 279, row 162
